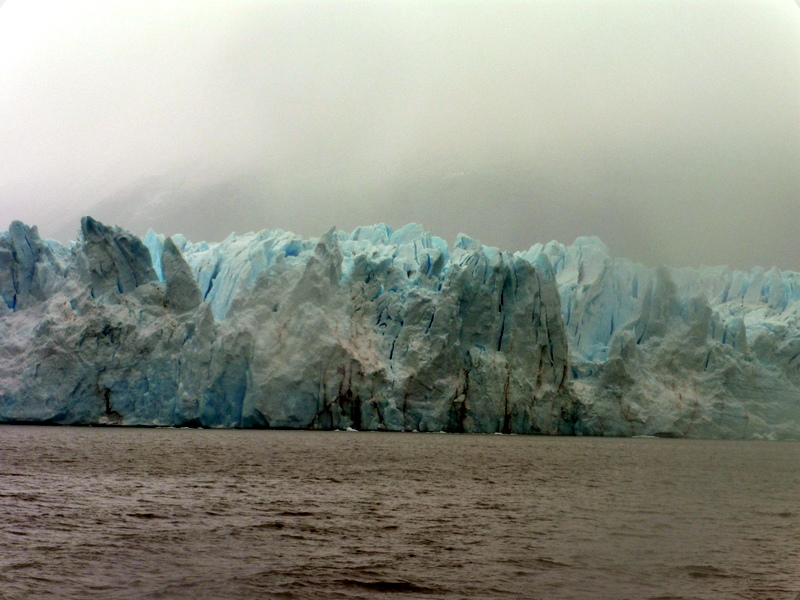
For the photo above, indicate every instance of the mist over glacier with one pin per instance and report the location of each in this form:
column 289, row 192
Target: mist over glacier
column 391, row 330
column 636, row 122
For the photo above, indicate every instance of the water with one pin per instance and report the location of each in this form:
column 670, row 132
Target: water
column 163, row 513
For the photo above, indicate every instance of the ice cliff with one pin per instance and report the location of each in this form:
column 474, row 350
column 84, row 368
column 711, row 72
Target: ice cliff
column 391, row 330
column 377, row 329
column 707, row 352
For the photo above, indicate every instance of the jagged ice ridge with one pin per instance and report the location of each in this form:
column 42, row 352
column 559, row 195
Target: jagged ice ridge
column 390, row 330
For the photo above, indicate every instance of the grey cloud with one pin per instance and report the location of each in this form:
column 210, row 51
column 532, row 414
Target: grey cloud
column 671, row 131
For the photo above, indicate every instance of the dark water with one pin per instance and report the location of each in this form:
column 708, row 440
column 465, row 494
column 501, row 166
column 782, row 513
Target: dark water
column 161, row 513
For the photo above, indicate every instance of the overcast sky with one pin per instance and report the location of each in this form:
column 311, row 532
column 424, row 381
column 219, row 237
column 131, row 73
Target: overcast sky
column 669, row 129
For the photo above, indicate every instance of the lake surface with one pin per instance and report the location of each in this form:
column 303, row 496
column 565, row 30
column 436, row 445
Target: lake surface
column 169, row 513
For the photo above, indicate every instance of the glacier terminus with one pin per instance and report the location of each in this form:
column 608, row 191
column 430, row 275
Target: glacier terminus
column 383, row 329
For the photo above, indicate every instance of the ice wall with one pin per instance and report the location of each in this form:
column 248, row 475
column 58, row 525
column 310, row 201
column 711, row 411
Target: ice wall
column 708, row 352
column 378, row 329
column 392, row 330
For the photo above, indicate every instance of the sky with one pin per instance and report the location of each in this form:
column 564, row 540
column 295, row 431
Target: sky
column 670, row 129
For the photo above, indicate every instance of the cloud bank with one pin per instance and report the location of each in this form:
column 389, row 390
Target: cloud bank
column 670, row 131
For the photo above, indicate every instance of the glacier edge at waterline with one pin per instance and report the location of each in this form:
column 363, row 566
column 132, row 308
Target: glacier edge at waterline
column 390, row 330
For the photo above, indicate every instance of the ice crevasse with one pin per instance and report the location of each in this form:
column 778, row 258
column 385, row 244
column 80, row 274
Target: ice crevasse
column 390, row 330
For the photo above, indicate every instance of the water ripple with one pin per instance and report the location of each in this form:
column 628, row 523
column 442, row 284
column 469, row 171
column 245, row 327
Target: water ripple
column 131, row 513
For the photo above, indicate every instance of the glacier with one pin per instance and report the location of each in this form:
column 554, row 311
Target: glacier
column 382, row 329
column 708, row 352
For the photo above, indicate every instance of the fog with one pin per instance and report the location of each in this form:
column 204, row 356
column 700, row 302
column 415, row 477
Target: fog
column 669, row 130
